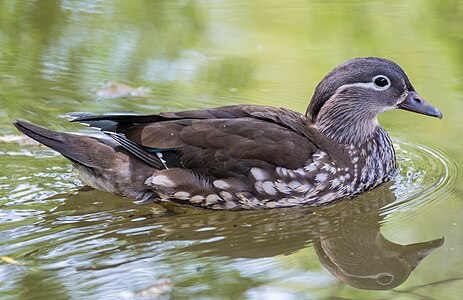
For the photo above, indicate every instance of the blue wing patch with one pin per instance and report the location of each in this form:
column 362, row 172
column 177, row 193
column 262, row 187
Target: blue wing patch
column 161, row 150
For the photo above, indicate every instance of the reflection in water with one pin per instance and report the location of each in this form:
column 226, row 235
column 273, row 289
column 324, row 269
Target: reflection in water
column 363, row 258
column 39, row 284
column 114, row 89
column 346, row 235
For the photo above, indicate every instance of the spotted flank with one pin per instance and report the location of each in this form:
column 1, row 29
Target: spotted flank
column 321, row 180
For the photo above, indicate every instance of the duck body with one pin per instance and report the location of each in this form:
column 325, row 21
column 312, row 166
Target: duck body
column 248, row 156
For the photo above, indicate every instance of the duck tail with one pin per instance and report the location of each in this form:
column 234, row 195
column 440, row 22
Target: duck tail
column 69, row 145
column 102, row 163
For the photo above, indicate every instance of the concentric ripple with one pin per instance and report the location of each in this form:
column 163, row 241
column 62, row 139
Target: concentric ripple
column 424, row 174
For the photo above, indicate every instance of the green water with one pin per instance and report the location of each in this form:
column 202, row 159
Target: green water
column 59, row 241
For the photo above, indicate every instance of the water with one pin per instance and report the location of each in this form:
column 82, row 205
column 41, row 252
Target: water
column 59, row 241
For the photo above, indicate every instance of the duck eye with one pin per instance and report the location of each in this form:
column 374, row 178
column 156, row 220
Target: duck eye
column 385, row 279
column 381, row 82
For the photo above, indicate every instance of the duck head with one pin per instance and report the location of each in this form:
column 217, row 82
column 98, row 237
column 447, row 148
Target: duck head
column 347, row 102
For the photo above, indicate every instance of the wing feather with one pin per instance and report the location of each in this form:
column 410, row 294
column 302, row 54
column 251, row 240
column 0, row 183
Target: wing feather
column 220, row 142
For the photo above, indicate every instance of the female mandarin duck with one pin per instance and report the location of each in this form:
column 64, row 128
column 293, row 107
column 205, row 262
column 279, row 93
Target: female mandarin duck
column 249, row 156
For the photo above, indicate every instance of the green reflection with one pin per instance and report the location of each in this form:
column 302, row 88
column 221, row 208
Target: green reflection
column 37, row 284
column 230, row 72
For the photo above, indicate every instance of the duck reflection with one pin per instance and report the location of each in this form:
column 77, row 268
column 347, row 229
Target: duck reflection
column 362, row 257
column 346, row 236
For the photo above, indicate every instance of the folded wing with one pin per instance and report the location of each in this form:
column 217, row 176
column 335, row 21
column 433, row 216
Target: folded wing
column 221, row 142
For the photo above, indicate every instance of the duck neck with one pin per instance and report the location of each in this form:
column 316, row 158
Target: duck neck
column 343, row 126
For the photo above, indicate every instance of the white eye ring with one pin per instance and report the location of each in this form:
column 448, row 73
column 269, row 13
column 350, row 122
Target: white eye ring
column 378, row 82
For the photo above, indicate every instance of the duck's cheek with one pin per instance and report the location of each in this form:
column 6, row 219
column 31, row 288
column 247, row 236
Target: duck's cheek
column 390, row 101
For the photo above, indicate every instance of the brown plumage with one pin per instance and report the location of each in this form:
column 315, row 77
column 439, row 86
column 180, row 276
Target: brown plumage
column 249, row 156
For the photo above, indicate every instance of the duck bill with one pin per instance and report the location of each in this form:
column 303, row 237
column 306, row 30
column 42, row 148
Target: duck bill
column 414, row 253
column 415, row 103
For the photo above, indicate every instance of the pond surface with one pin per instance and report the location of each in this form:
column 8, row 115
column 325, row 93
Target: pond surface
column 59, row 240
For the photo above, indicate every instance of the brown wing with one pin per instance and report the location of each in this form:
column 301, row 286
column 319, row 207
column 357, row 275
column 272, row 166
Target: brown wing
column 226, row 147
column 220, row 142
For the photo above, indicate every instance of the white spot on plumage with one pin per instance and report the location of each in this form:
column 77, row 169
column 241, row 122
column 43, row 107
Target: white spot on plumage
column 182, row 195
column 318, row 156
column 258, row 186
column 221, row 184
column 329, row 168
column 364, row 173
column 271, row 204
column 321, row 177
column 161, row 180
column 294, row 184
column 212, row 199
column 226, row 196
column 282, row 187
column 311, row 167
column 269, row 188
column 248, row 198
column 159, row 154
column 197, row 199
column 300, row 171
column 259, row 174
column 281, row 171
column 335, row 183
column 292, row 201
column 292, row 174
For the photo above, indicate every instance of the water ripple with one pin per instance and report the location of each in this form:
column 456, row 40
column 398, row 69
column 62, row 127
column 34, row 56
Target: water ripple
column 425, row 175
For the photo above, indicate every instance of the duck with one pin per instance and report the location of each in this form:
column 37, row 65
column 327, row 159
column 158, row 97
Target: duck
column 249, row 156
